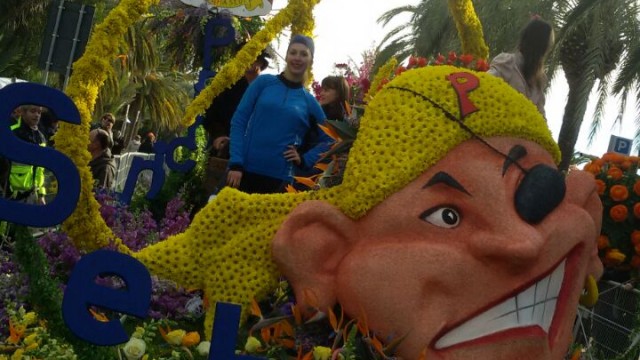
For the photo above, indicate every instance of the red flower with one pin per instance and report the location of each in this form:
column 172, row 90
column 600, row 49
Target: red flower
column 422, row 62
column 400, row 70
column 439, row 60
column 413, row 61
column 452, row 56
column 466, row 59
column 482, row 65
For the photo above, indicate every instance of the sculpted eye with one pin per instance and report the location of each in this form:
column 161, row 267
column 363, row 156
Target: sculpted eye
column 445, row 217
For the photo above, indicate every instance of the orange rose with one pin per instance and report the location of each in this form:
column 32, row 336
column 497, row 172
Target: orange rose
column 601, row 186
column 635, row 237
column 619, row 193
column 619, row 213
column 626, row 164
column 636, row 187
column 636, row 210
column 635, row 261
column 614, row 172
column 592, row 168
column 603, row 242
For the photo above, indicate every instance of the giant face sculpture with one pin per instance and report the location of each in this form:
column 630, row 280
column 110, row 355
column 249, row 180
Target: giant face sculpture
column 483, row 255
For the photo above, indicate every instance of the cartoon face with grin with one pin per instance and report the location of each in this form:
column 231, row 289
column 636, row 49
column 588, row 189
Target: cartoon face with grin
column 483, row 255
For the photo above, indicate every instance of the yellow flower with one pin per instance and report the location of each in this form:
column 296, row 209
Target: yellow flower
column 31, row 339
column 31, row 347
column 175, row 337
column 203, row 348
column 134, row 349
column 321, row 353
column 29, row 318
column 17, row 355
column 252, row 345
column 138, row 333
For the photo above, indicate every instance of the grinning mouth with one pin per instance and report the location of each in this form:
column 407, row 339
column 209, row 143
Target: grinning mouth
column 534, row 306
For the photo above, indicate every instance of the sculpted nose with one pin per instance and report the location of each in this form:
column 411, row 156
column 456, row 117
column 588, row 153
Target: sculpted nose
column 542, row 189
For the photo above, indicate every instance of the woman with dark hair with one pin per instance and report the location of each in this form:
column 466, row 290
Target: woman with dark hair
column 334, row 97
column 524, row 69
column 267, row 130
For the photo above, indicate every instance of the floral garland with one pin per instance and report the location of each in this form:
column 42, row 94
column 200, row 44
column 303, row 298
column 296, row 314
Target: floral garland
column 469, row 28
column 233, row 70
column 85, row 226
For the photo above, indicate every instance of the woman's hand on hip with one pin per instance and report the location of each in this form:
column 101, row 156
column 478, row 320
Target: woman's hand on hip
column 291, row 154
column 233, row 178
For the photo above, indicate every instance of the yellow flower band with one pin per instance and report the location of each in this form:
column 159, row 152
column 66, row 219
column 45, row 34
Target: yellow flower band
column 85, row 226
column 469, row 28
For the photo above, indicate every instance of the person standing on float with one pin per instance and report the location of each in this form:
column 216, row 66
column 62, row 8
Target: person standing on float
column 275, row 115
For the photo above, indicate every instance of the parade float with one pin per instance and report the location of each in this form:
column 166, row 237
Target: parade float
column 452, row 235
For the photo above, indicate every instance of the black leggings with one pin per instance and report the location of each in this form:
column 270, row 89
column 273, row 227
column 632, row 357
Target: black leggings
column 253, row 183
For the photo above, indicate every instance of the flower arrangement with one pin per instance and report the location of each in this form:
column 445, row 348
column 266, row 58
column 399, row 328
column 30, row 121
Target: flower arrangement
column 277, row 329
column 618, row 185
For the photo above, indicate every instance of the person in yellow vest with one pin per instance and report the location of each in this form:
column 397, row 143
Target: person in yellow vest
column 26, row 182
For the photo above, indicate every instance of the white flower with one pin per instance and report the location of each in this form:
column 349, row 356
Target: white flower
column 203, row 348
column 134, row 349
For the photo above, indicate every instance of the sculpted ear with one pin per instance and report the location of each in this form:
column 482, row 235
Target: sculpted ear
column 308, row 249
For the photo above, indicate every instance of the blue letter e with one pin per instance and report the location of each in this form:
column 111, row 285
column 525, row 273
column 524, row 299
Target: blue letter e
column 82, row 292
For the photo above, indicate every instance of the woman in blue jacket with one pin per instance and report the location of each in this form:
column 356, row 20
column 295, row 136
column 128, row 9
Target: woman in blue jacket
column 271, row 123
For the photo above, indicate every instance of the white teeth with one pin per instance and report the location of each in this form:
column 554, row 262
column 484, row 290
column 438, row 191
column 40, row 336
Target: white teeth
column 534, row 306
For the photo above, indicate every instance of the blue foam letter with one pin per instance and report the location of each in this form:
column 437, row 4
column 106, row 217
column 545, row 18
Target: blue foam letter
column 82, row 292
column 20, row 151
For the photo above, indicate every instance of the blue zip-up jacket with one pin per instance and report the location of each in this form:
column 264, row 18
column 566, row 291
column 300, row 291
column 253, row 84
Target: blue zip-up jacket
column 273, row 114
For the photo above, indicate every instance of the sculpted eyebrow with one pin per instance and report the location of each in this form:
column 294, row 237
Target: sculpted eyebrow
column 444, row 178
column 516, row 153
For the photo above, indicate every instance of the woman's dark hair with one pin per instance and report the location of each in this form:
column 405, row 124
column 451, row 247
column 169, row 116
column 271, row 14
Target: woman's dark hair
column 337, row 109
column 535, row 42
column 339, row 84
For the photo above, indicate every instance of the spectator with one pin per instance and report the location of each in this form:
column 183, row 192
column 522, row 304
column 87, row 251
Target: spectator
column 26, row 182
column 134, row 145
column 334, row 97
column 102, row 164
column 217, row 119
column 106, row 123
column 524, row 69
column 48, row 126
column 282, row 112
column 147, row 145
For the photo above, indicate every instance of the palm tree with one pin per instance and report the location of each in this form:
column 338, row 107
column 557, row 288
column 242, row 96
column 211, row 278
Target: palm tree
column 589, row 46
column 143, row 81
